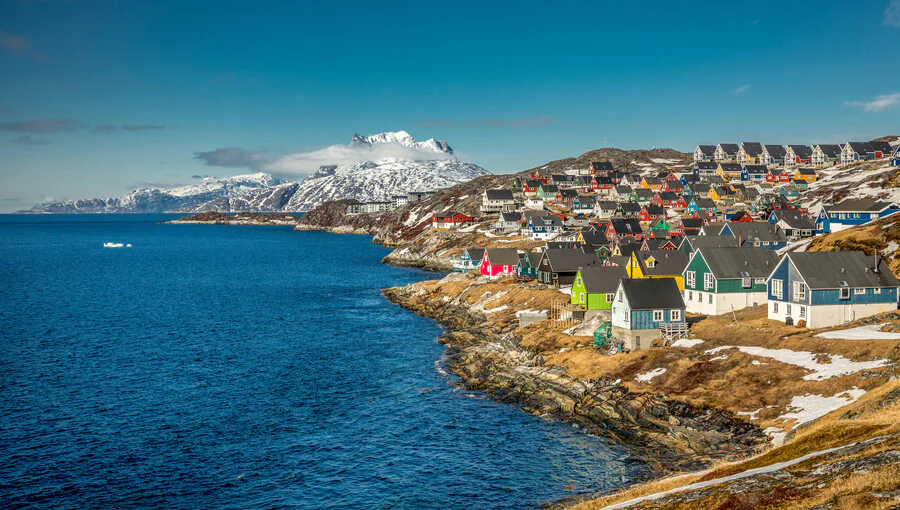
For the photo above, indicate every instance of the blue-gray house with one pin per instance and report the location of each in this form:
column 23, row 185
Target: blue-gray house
column 757, row 234
column 825, row 289
column 850, row 213
column 642, row 308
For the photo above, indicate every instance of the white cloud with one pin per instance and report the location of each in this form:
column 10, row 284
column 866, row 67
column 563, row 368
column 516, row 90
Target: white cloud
column 742, row 89
column 308, row 162
column 880, row 103
column 892, row 14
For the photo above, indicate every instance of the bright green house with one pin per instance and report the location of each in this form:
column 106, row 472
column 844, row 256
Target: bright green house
column 595, row 287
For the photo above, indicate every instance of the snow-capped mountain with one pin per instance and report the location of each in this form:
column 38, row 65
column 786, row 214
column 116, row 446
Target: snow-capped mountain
column 154, row 200
column 364, row 181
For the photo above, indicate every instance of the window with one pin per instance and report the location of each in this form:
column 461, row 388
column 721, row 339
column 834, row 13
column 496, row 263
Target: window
column 845, row 293
column 778, row 288
column 799, row 292
column 581, row 297
column 774, row 307
column 876, row 290
column 657, row 315
column 651, row 263
column 699, row 297
column 620, row 296
column 710, row 298
column 691, row 278
column 802, row 312
column 609, row 298
column 690, row 295
column 787, row 309
column 675, row 315
column 759, row 281
column 578, row 281
column 746, row 282
column 859, row 291
column 707, row 281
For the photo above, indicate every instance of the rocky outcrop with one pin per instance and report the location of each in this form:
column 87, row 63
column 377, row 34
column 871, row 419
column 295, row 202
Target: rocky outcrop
column 667, row 434
column 217, row 218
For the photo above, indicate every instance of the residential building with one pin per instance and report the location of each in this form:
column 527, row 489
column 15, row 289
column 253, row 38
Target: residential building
column 797, row 155
column 724, row 280
column 726, row 152
column 451, row 220
column 558, row 267
column 772, row 155
column 595, row 287
column 852, row 212
column 469, row 260
column 497, row 200
column 824, row 155
column 749, row 153
column 641, row 308
column 826, row 289
column 705, row 153
column 499, row 262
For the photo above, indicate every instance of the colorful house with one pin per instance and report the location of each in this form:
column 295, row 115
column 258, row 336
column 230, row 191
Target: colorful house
column 530, row 187
column 749, row 153
column 600, row 167
column 754, row 173
column 703, row 169
column 895, row 161
column 451, row 220
column 729, row 171
column 778, row 175
column 658, row 264
column 826, row 289
column 723, row 280
column 584, row 204
column 772, row 155
column 701, row 205
column 727, row 152
column 824, row 155
column 651, row 183
column 498, row 262
column 642, row 308
column 558, row 266
column 527, row 267
column 628, row 209
column 469, row 260
column 759, row 234
column 797, row 155
column 545, row 227
column 622, row 228
column 805, row 174
column 595, row 287
column 705, row 153
column 651, row 212
column 547, row 192
column 850, row 213
column 794, row 224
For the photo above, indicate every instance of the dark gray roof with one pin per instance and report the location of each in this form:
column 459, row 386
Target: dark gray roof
column 739, row 262
column 499, row 194
column 704, row 203
column 587, row 199
column 832, row 270
column 568, row 193
column 706, row 165
column 549, row 188
column 607, row 205
column 801, row 151
column 644, row 193
column 776, row 151
column 602, row 165
column 528, row 215
column 711, row 241
column 755, row 169
column 475, row 253
column 861, row 147
column 652, row 294
column 830, row 150
column 691, row 222
column 547, row 221
column 715, row 179
column 502, row 256
column 602, row 279
column 570, row 260
column 630, row 207
column 752, row 149
column 534, row 258
column 807, row 171
column 707, row 150
column 865, row 204
column 594, row 238
column 510, row 216
column 756, row 231
column 655, row 210
column 729, row 148
column 623, row 189
column 626, row 225
column 700, row 188
column 882, row 146
column 797, row 221
column 667, row 262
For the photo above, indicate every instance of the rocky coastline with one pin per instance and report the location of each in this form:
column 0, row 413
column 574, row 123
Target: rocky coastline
column 243, row 218
column 663, row 433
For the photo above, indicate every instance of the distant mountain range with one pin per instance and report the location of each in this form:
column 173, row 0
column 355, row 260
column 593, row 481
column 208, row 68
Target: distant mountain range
column 364, row 181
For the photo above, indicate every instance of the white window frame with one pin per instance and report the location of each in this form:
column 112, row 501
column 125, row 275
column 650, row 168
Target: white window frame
column 746, row 282
column 707, row 281
column 675, row 315
column 876, row 290
column 774, row 306
column 710, row 298
column 610, row 297
column 778, row 288
column 842, row 295
column 802, row 312
column 859, row 292
column 799, row 291
column 691, row 278
column 759, row 281
column 658, row 316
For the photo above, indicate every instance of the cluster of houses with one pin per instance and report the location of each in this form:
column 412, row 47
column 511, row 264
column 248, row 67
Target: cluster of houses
column 395, row 202
column 817, row 156
column 652, row 248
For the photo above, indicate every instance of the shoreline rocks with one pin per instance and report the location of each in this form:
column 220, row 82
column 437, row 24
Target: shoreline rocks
column 244, row 218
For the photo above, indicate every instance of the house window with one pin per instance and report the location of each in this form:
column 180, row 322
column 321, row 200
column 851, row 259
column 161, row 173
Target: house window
column 787, row 309
column 690, row 295
column 802, row 312
column 799, row 291
column 609, row 298
column 699, row 297
column 710, row 298
column 675, row 315
column 845, row 293
column 746, row 282
column 759, row 281
column 778, row 288
column 876, row 290
column 774, row 307
column 859, row 291
column 657, row 315
column 691, row 278
column 581, row 297
column 707, row 281
column 578, row 281
column 620, row 296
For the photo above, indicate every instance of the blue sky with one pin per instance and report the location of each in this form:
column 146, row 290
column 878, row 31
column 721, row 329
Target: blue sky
column 98, row 97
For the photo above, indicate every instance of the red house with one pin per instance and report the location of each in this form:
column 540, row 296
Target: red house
column 499, row 262
column 450, row 220
column 530, row 187
column 667, row 199
column 651, row 212
column 600, row 168
column 600, row 183
column 778, row 175
column 741, row 217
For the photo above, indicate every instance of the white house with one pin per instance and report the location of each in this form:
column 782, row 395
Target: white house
column 705, row 153
column 824, row 155
column 496, row 200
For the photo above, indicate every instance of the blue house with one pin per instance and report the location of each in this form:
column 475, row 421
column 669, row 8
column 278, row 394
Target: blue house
column 754, row 173
column 760, row 234
column 895, row 161
column 699, row 204
column 545, row 227
column 644, row 309
column 470, row 260
column 850, row 213
column 825, row 289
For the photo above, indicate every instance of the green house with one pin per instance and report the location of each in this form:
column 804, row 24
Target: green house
column 724, row 280
column 527, row 267
column 595, row 287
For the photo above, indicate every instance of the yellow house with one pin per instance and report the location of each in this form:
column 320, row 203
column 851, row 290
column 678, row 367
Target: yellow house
column 658, row 264
column 806, row 174
column 651, row 183
column 721, row 193
column 729, row 171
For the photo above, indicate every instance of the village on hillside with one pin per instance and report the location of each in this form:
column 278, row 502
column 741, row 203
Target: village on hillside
column 638, row 254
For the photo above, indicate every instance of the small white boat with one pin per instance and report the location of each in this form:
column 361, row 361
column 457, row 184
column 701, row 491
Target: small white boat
column 114, row 245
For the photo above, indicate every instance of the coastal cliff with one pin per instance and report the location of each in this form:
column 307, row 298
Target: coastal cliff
column 488, row 356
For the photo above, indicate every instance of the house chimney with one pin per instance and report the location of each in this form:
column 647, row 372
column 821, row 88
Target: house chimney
column 877, row 261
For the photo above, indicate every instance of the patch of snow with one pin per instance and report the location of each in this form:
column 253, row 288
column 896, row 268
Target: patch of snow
column 820, row 371
column 656, row 372
column 810, row 407
column 687, row 342
column 487, row 233
column 757, row 362
column 776, row 434
column 566, row 290
column 564, row 349
column 495, row 310
column 750, row 414
column 718, row 358
column 871, row 332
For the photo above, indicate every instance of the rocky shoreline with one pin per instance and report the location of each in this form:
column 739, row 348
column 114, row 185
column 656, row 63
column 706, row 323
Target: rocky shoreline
column 244, row 218
column 663, row 433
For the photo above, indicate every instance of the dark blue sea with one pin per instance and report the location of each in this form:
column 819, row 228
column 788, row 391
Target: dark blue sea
column 247, row 367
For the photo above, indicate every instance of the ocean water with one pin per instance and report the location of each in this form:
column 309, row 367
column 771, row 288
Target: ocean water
column 247, row 367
